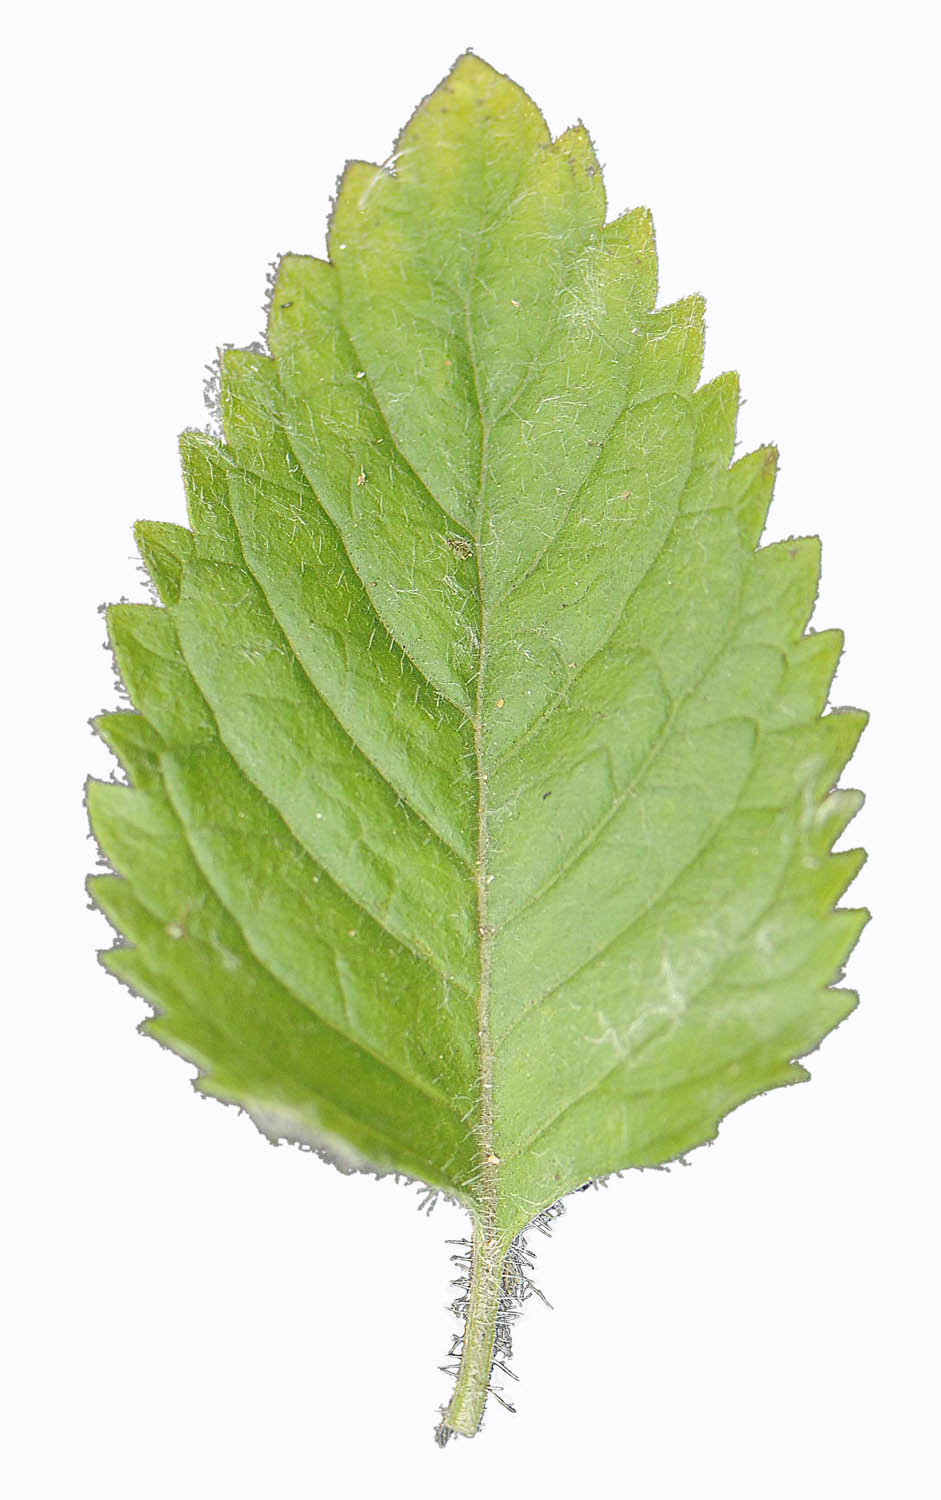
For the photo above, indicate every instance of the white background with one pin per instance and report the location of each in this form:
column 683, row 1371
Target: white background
column 194, row 1314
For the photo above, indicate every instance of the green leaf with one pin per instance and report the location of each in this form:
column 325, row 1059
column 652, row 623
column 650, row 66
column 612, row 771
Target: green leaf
column 481, row 798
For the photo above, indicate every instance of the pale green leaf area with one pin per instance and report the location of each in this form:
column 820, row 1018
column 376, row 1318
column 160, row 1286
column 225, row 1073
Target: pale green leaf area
column 481, row 797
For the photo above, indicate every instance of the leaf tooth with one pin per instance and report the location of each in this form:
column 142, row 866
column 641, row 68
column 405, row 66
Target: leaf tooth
column 634, row 233
column 714, row 409
column 833, row 815
column 749, row 486
column 670, row 355
column 115, row 897
column 205, row 465
column 811, row 664
column 165, row 549
column 780, row 587
column 803, row 763
column 152, row 667
column 135, row 742
column 818, row 881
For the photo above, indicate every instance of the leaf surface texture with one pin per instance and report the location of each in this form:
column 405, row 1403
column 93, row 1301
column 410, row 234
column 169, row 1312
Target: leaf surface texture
column 481, row 801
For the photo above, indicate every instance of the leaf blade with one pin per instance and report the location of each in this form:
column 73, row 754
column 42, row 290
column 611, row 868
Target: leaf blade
column 483, row 786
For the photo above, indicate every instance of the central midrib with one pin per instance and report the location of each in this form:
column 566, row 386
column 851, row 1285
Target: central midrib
column 488, row 1161
column 485, row 1283
column 490, row 1244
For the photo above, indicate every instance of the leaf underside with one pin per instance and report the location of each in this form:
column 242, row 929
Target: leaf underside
column 481, row 801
